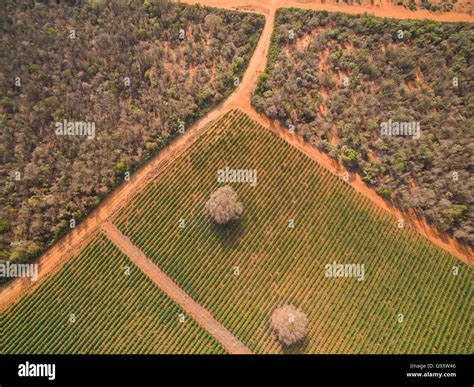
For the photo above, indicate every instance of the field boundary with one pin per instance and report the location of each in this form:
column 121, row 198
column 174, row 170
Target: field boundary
column 462, row 252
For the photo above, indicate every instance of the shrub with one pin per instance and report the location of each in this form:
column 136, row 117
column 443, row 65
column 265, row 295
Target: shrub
column 4, row 225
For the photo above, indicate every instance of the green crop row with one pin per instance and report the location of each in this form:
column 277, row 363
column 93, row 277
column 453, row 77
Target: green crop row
column 94, row 305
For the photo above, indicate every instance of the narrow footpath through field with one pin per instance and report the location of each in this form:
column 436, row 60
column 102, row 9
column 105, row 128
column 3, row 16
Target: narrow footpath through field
column 172, row 290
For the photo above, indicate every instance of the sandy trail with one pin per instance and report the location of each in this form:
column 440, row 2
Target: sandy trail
column 169, row 287
column 52, row 260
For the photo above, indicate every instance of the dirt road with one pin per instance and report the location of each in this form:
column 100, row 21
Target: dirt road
column 383, row 8
column 166, row 284
column 386, row 9
column 51, row 261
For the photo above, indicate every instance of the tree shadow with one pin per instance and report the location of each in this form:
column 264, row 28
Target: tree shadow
column 229, row 234
column 295, row 349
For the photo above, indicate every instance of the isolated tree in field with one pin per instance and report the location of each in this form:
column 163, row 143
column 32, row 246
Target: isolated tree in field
column 289, row 324
column 223, row 205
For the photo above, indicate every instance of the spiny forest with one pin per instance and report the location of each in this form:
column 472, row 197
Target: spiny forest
column 141, row 72
column 336, row 78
